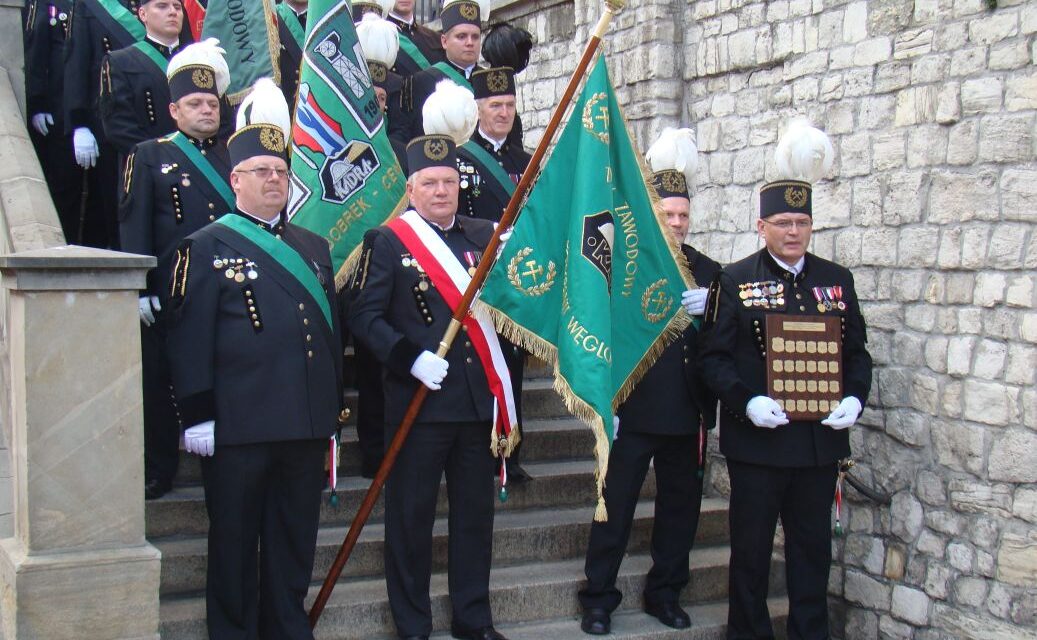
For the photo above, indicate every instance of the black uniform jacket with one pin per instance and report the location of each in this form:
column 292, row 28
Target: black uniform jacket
column 44, row 48
column 89, row 41
column 165, row 198
column 254, row 354
column 426, row 40
column 480, row 196
column 732, row 352
column 290, row 59
column 135, row 97
column 398, row 317
column 405, row 120
column 672, row 398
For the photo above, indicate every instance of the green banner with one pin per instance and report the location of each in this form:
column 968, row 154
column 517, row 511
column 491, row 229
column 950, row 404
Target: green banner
column 345, row 177
column 590, row 278
column 247, row 30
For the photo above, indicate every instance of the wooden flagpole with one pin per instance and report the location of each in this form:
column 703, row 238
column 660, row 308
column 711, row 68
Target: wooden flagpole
column 481, row 273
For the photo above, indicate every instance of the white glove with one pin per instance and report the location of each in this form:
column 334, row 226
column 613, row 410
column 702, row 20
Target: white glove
column 201, row 438
column 765, row 412
column 85, row 145
column 845, row 414
column 41, row 122
column 694, row 301
column 148, row 306
column 430, row 369
column 615, row 428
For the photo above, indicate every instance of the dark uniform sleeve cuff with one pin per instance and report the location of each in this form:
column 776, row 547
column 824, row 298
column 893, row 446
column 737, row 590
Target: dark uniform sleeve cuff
column 737, row 399
column 402, row 357
column 197, row 408
column 78, row 118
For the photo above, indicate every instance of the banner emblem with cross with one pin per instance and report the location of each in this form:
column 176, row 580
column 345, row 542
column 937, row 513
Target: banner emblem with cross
column 521, row 270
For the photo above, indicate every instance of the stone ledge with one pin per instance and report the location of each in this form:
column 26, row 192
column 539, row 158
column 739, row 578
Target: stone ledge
column 73, row 268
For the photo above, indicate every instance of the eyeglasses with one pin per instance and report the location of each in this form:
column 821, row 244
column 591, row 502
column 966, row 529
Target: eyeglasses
column 789, row 225
column 264, row 173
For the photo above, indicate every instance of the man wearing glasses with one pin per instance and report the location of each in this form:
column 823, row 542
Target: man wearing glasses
column 256, row 358
column 783, row 465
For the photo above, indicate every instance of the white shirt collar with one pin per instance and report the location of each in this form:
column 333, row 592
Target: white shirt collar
column 407, row 21
column 269, row 223
column 173, row 45
column 793, row 269
column 497, row 144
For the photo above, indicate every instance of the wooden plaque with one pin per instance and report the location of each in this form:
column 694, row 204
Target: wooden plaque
column 805, row 364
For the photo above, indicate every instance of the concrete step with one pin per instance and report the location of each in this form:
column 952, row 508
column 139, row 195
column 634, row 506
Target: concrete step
column 565, row 483
column 708, row 622
column 519, row 537
column 359, row 608
column 542, row 439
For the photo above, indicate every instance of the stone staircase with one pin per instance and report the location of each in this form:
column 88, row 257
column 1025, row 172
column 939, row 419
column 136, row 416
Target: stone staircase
column 540, row 536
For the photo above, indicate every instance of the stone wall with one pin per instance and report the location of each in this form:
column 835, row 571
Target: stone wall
column 932, row 202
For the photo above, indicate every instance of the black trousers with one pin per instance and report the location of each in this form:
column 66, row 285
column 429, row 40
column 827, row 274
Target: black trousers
column 462, row 451
column 370, row 409
column 263, row 502
column 678, row 500
column 802, row 498
column 161, row 424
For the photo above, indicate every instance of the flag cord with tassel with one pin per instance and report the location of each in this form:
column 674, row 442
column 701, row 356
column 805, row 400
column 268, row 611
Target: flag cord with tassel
column 510, row 212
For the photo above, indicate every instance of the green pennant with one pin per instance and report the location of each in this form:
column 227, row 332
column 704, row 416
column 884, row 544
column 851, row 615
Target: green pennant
column 590, row 278
column 345, row 177
column 245, row 28
column 413, row 52
column 286, row 256
column 195, row 157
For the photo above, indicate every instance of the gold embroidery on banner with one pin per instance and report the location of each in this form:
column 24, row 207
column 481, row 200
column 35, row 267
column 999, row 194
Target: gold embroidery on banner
column 662, row 301
column 603, row 117
column 534, row 271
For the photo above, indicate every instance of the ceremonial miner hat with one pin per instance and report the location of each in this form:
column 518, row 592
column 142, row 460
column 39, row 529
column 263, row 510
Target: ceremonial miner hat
column 199, row 68
column 673, row 158
column 498, row 81
column 431, row 151
column 378, row 7
column 803, row 156
column 380, row 40
column 457, row 12
column 263, row 124
column 450, row 111
column 507, row 46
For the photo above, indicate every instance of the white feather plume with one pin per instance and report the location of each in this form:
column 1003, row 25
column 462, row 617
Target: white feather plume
column 484, row 7
column 265, row 105
column 387, row 6
column 803, row 152
column 675, row 150
column 207, row 52
column 379, row 38
column 450, row 110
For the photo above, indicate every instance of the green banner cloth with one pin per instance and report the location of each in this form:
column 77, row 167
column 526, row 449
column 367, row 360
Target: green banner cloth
column 591, row 278
column 286, row 256
column 247, row 31
column 345, row 177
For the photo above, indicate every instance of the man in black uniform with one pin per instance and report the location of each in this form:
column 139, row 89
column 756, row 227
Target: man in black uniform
column 664, row 419
column 291, row 30
column 256, row 356
column 491, row 164
column 408, row 270
column 174, row 186
column 420, row 47
column 97, row 27
column 47, row 24
column 781, row 468
column 134, row 89
column 462, row 35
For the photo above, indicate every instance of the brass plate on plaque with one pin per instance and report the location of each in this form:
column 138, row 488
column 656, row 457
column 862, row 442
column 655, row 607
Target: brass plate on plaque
column 803, row 364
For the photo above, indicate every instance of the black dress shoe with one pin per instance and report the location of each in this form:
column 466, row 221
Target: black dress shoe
column 486, row 633
column 597, row 622
column 670, row 614
column 516, row 474
column 155, row 489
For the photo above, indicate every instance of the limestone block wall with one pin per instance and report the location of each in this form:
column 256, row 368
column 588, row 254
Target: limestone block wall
column 932, row 109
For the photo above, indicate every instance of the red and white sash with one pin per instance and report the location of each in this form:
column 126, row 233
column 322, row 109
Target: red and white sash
column 451, row 279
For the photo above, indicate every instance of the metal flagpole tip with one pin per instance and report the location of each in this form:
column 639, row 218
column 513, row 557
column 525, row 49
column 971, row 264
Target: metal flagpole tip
column 615, row 5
